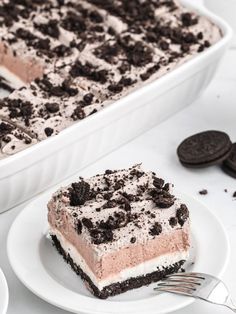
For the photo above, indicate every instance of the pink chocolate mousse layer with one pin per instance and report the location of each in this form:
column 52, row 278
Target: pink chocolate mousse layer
column 115, row 224
column 25, row 68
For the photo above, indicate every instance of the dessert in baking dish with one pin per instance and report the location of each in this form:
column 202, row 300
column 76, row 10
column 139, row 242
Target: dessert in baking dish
column 76, row 56
column 120, row 230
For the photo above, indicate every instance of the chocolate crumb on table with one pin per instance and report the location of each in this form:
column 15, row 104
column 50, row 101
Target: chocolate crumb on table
column 203, row 192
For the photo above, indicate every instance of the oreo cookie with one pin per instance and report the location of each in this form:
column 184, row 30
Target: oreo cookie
column 229, row 165
column 204, row 149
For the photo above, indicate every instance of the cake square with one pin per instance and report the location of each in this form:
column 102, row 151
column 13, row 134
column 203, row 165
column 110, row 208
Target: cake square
column 120, row 230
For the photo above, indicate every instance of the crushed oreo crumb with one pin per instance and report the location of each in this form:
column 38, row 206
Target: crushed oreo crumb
column 182, row 214
column 203, row 192
column 79, row 227
column 133, row 240
column 79, row 193
column 156, row 229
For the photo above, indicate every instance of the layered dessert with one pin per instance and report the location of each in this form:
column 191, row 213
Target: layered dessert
column 74, row 57
column 120, row 230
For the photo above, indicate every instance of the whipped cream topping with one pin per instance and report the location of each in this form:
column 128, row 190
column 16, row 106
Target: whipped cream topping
column 106, row 49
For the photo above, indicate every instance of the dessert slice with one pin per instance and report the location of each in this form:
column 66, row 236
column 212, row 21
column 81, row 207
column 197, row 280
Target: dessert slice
column 120, row 230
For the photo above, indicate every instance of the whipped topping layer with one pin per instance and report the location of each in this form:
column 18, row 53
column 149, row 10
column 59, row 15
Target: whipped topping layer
column 79, row 56
column 120, row 221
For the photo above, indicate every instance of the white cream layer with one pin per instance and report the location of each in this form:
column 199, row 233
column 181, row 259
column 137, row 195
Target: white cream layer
column 139, row 270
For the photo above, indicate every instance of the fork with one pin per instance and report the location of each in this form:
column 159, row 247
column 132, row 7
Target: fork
column 198, row 285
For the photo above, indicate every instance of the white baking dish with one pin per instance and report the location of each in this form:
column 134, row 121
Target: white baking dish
column 45, row 164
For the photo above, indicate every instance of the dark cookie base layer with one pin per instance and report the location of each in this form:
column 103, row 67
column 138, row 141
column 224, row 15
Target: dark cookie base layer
column 119, row 287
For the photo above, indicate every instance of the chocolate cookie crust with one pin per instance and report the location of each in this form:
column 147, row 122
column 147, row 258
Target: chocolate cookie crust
column 204, row 149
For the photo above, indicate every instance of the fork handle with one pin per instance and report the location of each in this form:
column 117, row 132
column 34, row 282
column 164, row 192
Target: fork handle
column 229, row 303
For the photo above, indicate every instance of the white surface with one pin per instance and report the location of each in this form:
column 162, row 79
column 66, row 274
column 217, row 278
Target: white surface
column 3, row 293
column 216, row 109
column 41, row 269
column 95, row 136
column 227, row 10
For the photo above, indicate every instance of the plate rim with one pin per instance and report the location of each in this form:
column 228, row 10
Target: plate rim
column 3, row 284
column 183, row 303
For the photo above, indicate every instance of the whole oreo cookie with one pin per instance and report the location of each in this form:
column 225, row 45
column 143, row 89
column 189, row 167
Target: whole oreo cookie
column 204, row 149
column 229, row 165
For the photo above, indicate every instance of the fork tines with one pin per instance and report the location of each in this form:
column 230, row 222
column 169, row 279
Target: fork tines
column 181, row 283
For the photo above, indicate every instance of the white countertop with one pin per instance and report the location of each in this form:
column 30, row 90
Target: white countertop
column 216, row 109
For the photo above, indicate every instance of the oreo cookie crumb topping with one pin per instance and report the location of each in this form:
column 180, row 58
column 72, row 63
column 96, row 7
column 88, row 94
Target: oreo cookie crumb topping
column 52, row 107
column 78, row 113
column 182, row 214
column 48, row 131
column 158, row 182
column 164, row 201
column 88, row 98
column 18, row 109
column 173, row 221
column 156, row 229
column 79, row 227
column 87, row 223
column 63, row 90
column 62, row 50
column 108, row 171
column 118, row 220
column 74, row 23
column 89, row 71
column 5, row 128
column 188, row 19
column 79, row 193
column 51, row 28
column 101, row 236
column 96, row 17
column 107, row 52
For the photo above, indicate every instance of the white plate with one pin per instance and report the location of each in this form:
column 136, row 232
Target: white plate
column 3, row 293
column 41, row 269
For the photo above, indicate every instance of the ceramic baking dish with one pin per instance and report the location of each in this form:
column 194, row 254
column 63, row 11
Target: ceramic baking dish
column 47, row 163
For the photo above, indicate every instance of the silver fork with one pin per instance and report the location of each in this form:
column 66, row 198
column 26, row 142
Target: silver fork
column 198, row 285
